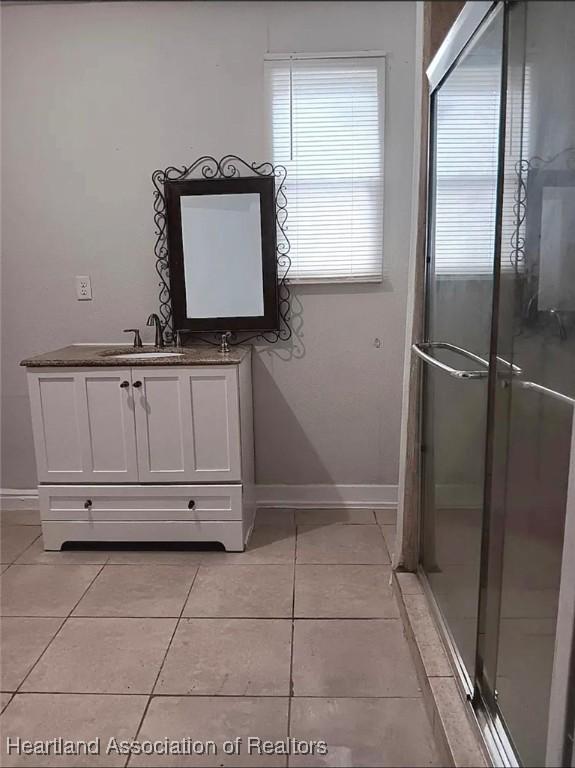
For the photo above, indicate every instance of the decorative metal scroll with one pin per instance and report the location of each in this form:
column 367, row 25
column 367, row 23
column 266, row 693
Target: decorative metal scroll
column 528, row 268
column 230, row 166
column 522, row 170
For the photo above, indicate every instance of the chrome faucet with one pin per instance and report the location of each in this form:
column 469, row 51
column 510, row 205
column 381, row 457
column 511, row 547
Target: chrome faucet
column 154, row 319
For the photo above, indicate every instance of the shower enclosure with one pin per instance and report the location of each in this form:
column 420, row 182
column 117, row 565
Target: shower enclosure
column 498, row 371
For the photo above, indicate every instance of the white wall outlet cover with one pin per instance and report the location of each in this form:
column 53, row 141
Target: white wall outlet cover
column 83, row 288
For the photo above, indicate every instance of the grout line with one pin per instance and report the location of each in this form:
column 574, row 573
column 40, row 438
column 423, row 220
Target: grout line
column 57, row 565
column 26, row 548
column 208, row 695
column 151, row 694
column 11, row 696
column 206, row 618
column 58, row 630
column 291, row 688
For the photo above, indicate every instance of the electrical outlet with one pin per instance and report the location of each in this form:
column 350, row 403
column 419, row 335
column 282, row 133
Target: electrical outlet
column 83, row 288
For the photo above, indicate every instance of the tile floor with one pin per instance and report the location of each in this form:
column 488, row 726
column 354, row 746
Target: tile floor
column 299, row 636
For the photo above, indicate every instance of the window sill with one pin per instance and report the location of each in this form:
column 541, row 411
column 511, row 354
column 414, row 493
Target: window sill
column 334, row 280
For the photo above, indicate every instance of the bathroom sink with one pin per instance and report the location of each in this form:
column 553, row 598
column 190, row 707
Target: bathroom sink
column 138, row 354
column 147, row 355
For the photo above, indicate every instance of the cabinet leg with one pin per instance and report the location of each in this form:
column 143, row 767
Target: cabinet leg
column 233, row 540
column 52, row 539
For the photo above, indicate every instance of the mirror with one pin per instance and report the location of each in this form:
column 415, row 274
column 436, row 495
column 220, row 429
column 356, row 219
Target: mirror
column 551, row 236
column 222, row 254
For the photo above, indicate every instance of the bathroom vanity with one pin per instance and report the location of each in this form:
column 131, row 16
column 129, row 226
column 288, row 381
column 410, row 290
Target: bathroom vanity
column 143, row 444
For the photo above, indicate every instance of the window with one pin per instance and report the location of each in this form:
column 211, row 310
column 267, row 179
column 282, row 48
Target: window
column 467, row 130
column 326, row 117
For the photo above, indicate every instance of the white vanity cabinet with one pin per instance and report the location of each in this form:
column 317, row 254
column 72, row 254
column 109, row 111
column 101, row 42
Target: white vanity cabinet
column 144, row 453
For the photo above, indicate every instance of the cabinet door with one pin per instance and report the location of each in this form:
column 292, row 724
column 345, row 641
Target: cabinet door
column 187, row 424
column 83, row 425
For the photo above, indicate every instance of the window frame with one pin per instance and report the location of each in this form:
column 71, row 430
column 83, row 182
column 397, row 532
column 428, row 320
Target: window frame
column 382, row 95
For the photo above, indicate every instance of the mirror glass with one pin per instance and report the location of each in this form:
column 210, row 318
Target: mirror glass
column 222, row 255
column 557, row 274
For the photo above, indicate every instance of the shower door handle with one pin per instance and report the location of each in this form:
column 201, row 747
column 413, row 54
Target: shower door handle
column 546, row 391
column 421, row 348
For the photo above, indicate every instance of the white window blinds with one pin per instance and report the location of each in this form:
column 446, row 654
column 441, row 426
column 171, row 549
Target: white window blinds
column 326, row 118
column 467, row 131
column 467, row 142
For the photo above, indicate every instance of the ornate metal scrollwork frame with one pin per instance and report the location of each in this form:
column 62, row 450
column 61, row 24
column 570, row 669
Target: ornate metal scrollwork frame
column 230, row 166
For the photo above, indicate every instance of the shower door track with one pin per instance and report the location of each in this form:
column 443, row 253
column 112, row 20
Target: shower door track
column 489, row 724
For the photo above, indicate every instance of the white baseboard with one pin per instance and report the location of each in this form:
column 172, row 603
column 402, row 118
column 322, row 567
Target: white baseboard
column 26, row 493
column 292, row 496
column 18, row 499
column 326, row 496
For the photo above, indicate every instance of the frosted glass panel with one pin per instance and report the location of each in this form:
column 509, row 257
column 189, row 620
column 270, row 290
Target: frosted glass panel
column 221, row 236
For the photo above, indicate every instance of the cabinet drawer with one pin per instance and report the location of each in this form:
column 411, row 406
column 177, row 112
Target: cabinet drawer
column 146, row 503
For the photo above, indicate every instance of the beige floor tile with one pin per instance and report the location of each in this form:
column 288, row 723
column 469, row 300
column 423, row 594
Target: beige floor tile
column 4, row 567
column 234, row 591
column 330, row 516
column 186, row 558
column 140, row 591
column 35, row 554
column 344, row 592
column 44, row 590
column 339, row 544
column 278, row 517
column 364, row 732
column 386, row 516
column 217, row 719
column 268, row 545
column 23, row 640
column 103, row 656
column 4, row 700
column 73, row 717
column 14, row 539
column 19, row 517
column 235, row 657
column 352, row 658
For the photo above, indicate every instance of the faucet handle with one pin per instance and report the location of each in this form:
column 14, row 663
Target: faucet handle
column 137, row 337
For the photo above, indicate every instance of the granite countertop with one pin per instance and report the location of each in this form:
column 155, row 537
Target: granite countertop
column 103, row 355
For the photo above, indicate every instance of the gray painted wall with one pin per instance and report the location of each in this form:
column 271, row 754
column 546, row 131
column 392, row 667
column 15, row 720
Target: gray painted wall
column 97, row 96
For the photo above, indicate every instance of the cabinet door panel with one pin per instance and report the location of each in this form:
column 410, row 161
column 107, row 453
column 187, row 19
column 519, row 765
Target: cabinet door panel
column 187, row 424
column 109, row 437
column 163, row 447
column 55, row 418
column 83, row 426
column 211, row 423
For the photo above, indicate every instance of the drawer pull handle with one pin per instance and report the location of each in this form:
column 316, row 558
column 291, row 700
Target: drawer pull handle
column 191, row 504
column 137, row 384
column 125, row 384
column 88, row 504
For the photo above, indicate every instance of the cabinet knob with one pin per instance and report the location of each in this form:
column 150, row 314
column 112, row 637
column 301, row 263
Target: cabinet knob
column 191, row 504
column 88, row 504
column 137, row 384
column 125, row 384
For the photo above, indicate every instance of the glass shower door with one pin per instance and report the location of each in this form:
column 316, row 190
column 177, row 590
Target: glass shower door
column 534, row 408
column 462, row 239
